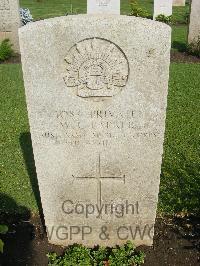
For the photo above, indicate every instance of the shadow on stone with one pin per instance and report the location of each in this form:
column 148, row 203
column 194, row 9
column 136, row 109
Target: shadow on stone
column 26, row 146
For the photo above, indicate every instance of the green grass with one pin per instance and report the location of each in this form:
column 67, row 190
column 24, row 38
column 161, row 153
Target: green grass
column 16, row 189
column 180, row 179
column 179, row 37
column 145, row 4
column 50, row 8
column 41, row 9
column 180, row 13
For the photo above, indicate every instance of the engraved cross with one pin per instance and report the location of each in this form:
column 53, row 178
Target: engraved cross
column 99, row 178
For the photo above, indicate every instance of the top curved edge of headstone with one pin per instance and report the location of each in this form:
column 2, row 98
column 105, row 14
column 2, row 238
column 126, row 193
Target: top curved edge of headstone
column 94, row 18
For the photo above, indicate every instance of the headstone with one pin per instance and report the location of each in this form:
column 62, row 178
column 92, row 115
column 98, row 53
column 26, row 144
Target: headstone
column 163, row 7
column 103, row 7
column 178, row 2
column 194, row 26
column 10, row 22
column 96, row 97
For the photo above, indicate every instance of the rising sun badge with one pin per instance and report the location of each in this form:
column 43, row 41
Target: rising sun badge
column 96, row 69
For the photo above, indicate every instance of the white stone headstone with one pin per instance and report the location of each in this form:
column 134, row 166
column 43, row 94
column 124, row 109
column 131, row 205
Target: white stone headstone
column 103, row 7
column 178, row 2
column 163, row 7
column 194, row 26
column 10, row 22
column 96, row 91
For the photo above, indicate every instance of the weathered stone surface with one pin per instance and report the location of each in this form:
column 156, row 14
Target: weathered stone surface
column 103, row 7
column 96, row 89
column 178, row 2
column 194, row 27
column 162, row 7
column 10, row 21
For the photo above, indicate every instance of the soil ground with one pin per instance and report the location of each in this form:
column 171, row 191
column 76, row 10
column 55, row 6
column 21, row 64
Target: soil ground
column 183, row 57
column 176, row 243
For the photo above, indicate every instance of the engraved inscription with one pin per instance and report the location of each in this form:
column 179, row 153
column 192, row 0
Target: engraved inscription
column 102, row 127
column 102, row 2
column 96, row 69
